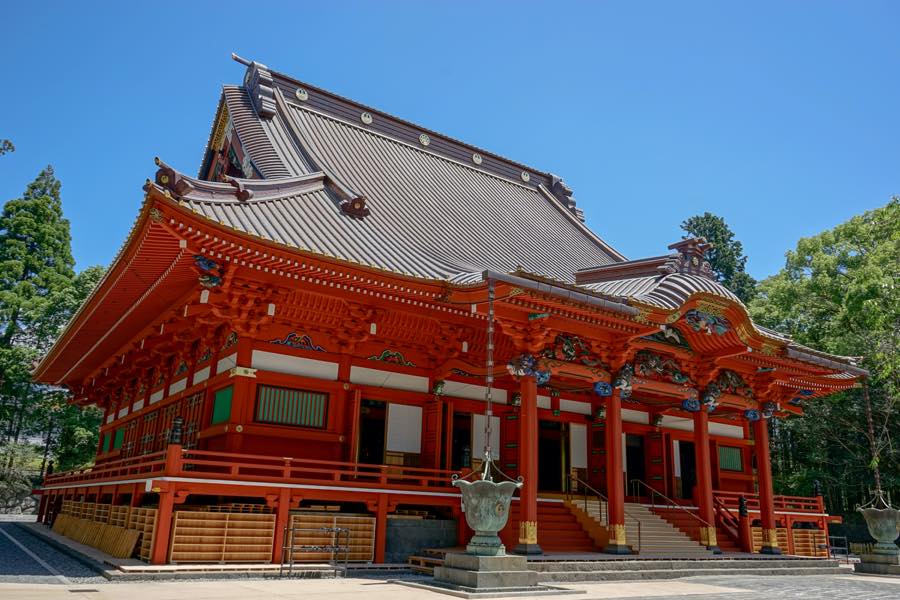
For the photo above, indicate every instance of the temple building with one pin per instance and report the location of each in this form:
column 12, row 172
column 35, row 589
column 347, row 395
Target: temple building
column 296, row 337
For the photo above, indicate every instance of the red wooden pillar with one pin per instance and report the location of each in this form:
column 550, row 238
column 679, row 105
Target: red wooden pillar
column 381, row 528
column 282, row 514
column 704, row 480
column 766, row 492
column 745, row 535
column 160, row 551
column 42, row 507
column 615, row 485
column 528, row 469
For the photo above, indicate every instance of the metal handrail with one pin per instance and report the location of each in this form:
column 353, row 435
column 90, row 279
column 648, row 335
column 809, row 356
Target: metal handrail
column 604, row 514
column 670, row 503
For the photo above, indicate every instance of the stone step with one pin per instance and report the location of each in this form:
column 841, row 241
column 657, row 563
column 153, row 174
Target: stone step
column 681, row 564
column 626, row 575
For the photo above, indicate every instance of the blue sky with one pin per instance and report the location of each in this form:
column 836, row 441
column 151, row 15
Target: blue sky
column 779, row 116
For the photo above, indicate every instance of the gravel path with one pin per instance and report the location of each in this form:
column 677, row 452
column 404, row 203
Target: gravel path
column 17, row 566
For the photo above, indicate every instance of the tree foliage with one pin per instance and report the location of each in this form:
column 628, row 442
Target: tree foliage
column 6, row 147
column 726, row 255
column 39, row 292
column 840, row 292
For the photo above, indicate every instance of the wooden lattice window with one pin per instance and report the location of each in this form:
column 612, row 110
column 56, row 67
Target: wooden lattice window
column 730, row 458
column 286, row 406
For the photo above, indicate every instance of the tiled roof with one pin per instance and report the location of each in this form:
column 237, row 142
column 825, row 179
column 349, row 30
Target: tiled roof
column 668, row 291
column 430, row 214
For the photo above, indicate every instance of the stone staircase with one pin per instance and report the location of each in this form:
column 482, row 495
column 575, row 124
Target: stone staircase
column 657, row 536
column 636, row 569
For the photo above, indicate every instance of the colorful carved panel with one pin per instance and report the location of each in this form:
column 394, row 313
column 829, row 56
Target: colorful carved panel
column 705, row 322
column 571, row 348
column 393, row 357
column 655, row 366
column 298, row 341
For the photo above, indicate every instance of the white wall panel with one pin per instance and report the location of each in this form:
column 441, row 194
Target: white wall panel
column 473, row 392
column 388, row 379
column 404, row 428
column 293, row 365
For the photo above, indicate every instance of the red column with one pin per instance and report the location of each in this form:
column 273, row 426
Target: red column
column 615, row 485
column 704, row 480
column 381, row 528
column 159, row 554
column 282, row 512
column 528, row 450
column 766, row 493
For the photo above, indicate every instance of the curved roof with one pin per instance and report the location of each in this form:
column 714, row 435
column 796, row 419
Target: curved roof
column 668, row 291
column 434, row 210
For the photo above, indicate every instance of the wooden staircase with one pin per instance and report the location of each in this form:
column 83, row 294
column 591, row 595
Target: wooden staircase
column 558, row 529
column 691, row 527
column 657, row 536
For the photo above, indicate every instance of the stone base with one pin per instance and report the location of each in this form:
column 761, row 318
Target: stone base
column 528, row 549
column 617, row 549
column 473, row 576
column 460, row 591
column 770, row 550
column 472, row 571
column 879, row 564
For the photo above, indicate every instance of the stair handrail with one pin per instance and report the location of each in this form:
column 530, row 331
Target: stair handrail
column 604, row 514
column 669, row 502
column 729, row 522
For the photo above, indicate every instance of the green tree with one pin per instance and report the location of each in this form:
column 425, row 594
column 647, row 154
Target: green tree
column 39, row 293
column 840, row 292
column 6, row 146
column 726, row 254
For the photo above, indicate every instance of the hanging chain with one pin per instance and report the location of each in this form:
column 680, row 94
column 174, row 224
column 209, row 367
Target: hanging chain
column 489, row 380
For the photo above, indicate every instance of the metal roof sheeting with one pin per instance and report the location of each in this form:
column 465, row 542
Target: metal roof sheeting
column 666, row 291
column 430, row 216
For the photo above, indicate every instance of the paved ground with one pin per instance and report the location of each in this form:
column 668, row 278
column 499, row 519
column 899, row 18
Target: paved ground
column 32, row 570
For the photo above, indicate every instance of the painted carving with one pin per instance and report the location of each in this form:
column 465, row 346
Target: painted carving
column 752, row 415
column 654, row 366
column 701, row 321
column 438, row 388
column 571, row 348
column 623, row 381
column 298, row 341
column 730, row 382
column 230, row 341
column 207, row 354
column 392, row 357
column 603, row 389
column 691, row 404
column 212, row 271
column 769, row 409
column 526, row 365
column 182, row 368
column 669, row 335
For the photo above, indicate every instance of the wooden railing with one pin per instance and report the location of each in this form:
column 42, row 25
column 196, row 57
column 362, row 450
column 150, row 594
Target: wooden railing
column 126, row 468
column 801, row 504
column 205, row 464
column 727, row 520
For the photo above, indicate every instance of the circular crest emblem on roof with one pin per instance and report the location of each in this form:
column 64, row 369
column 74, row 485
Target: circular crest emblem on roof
column 302, row 95
column 476, row 158
column 525, row 176
column 424, row 139
column 366, row 118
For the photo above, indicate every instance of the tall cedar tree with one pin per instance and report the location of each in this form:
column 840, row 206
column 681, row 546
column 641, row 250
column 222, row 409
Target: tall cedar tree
column 726, row 256
column 840, row 292
column 39, row 292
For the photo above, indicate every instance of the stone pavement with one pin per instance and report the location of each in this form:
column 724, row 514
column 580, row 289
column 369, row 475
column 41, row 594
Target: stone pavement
column 832, row 587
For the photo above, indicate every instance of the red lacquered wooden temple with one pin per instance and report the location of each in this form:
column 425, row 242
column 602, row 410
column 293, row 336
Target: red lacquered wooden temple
column 296, row 337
